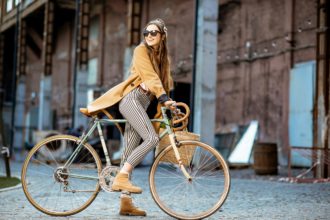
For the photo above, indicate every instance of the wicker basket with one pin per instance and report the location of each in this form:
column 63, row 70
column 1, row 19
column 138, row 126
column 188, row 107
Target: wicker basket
column 185, row 155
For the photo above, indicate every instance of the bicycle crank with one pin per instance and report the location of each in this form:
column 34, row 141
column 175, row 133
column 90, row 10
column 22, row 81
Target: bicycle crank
column 107, row 176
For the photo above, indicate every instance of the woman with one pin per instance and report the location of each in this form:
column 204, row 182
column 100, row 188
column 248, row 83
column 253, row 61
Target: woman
column 150, row 78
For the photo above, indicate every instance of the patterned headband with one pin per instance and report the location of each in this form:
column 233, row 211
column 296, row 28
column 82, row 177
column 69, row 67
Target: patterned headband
column 161, row 23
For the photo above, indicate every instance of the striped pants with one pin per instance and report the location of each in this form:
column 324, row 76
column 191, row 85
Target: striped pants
column 133, row 107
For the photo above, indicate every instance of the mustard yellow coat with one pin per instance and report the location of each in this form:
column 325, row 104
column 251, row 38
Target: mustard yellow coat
column 141, row 71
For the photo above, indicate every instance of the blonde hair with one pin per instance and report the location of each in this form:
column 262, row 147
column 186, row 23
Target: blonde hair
column 161, row 62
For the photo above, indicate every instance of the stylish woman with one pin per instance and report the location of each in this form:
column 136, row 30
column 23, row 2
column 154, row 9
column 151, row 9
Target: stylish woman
column 150, row 78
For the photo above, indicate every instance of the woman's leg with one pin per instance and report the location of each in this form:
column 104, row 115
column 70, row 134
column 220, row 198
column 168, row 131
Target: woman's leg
column 128, row 208
column 133, row 108
column 131, row 140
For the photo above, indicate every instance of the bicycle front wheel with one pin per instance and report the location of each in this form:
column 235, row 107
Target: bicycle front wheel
column 198, row 197
column 55, row 188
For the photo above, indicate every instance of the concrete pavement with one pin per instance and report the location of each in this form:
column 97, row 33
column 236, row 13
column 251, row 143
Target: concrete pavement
column 250, row 198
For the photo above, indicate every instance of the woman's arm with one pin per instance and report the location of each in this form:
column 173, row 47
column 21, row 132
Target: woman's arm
column 143, row 66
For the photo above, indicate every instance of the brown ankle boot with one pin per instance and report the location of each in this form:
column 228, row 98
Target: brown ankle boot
column 127, row 208
column 121, row 182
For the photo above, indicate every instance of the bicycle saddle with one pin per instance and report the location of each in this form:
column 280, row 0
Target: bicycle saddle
column 85, row 112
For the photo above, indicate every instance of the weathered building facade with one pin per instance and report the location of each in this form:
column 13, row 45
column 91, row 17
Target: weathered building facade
column 54, row 78
column 64, row 61
column 268, row 71
column 259, row 46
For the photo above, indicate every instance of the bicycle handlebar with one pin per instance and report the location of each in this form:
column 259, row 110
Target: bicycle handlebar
column 186, row 115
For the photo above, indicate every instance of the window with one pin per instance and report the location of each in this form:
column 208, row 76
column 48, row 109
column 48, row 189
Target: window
column 9, row 5
column 91, row 79
column 94, row 32
column 27, row 2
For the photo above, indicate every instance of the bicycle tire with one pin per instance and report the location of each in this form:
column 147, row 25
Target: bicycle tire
column 195, row 199
column 53, row 189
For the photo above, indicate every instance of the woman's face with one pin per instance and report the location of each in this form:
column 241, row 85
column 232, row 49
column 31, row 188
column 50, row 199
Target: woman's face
column 151, row 40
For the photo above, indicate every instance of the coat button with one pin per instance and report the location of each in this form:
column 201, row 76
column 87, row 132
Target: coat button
column 132, row 84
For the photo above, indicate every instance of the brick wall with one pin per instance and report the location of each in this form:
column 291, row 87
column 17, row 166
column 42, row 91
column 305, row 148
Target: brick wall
column 253, row 78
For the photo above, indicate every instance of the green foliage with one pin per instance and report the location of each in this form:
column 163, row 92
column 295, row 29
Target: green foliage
column 8, row 182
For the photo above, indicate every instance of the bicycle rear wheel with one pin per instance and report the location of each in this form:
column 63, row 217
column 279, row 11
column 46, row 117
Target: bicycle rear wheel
column 191, row 199
column 54, row 188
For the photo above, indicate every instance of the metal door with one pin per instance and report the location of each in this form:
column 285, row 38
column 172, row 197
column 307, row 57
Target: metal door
column 302, row 90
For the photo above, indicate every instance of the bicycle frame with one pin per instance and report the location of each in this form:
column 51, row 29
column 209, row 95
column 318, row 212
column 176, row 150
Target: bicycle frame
column 98, row 124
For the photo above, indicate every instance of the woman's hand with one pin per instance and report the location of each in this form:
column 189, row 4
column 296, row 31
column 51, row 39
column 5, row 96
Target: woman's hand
column 170, row 104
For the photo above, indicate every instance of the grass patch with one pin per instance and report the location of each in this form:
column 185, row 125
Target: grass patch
column 8, row 181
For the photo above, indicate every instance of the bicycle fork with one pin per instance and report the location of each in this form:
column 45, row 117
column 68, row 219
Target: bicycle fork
column 173, row 141
column 177, row 156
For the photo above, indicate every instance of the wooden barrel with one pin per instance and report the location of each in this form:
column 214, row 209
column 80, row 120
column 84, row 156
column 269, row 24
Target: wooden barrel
column 265, row 158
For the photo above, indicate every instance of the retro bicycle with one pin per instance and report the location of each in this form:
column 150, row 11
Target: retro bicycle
column 183, row 171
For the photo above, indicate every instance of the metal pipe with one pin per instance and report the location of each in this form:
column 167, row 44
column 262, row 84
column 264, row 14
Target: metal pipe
column 193, row 81
column 316, row 106
column 14, row 83
column 75, row 63
column 327, row 73
column 103, row 41
column 6, row 155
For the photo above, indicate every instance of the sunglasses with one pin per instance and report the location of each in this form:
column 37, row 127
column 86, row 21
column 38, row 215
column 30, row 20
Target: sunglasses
column 152, row 32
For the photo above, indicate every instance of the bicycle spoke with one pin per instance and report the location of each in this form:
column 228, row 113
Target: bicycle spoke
column 206, row 173
column 51, row 153
column 173, row 191
column 43, row 174
column 48, row 183
column 174, row 175
column 206, row 190
column 176, row 194
column 43, row 163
